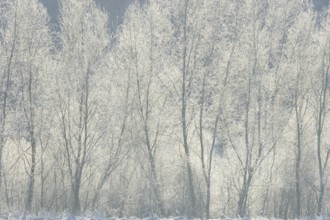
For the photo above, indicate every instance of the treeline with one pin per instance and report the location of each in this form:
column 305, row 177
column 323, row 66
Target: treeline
column 199, row 108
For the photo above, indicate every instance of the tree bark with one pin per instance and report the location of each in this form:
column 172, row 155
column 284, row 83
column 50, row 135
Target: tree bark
column 184, row 71
column 8, row 72
column 30, row 115
column 298, row 157
column 322, row 99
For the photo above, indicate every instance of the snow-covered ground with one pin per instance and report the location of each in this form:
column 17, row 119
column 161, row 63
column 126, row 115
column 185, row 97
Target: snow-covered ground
column 70, row 217
column 101, row 216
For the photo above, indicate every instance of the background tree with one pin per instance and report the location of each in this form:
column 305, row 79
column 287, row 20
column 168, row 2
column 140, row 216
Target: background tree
column 84, row 42
column 8, row 43
column 319, row 90
column 191, row 108
column 34, row 47
column 143, row 47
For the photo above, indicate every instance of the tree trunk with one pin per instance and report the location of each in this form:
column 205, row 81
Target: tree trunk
column 243, row 195
column 184, row 70
column 320, row 123
column 76, row 190
column 208, row 199
column 1, row 152
column 30, row 113
column 298, row 159
column 193, row 211
column 32, row 176
column 155, row 183
column 5, row 95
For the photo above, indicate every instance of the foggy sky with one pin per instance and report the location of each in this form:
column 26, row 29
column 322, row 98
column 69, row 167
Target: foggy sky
column 116, row 9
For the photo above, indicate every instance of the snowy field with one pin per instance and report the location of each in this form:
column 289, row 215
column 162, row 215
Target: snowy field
column 70, row 217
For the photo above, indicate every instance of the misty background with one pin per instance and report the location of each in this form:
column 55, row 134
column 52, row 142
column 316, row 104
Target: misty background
column 117, row 8
column 208, row 109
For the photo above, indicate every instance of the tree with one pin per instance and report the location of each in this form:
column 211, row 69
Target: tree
column 149, row 102
column 25, row 42
column 84, row 41
column 183, row 50
column 300, row 100
column 256, row 85
column 213, row 46
column 8, row 43
column 320, row 87
column 34, row 48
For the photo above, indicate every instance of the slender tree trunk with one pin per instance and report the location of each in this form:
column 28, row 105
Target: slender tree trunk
column 206, row 168
column 184, row 70
column 319, row 132
column 42, row 179
column 5, row 94
column 76, row 197
column 30, row 115
column 287, row 205
column 208, row 198
column 1, row 162
column 246, row 177
column 320, row 166
column 155, row 183
column 298, row 158
column 243, row 195
column 32, row 176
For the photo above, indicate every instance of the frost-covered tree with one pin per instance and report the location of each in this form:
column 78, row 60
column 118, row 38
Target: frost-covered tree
column 142, row 43
column 25, row 24
column 33, row 52
column 8, row 44
column 83, row 48
column 197, row 108
column 320, row 99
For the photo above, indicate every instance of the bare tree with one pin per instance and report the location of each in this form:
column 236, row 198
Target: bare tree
column 212, row 88
column 8, row 44
column 320, row 89
column 83, row 53
column 252, row 120
column 34, row 44
column 185, row 86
